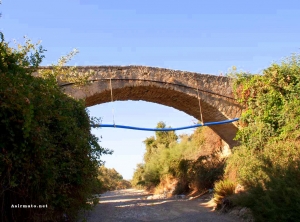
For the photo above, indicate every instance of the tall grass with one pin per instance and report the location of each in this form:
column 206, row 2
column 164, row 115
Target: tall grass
column 223, row 189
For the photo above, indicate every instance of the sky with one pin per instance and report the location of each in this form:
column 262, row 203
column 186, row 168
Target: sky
column 198, row 36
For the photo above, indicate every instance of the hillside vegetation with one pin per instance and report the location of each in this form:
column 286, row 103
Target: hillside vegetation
column 110, row 179
column 190, row 162
column 262, row 173
column 268, row 159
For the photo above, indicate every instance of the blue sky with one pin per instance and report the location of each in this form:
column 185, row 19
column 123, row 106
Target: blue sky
column 199, row 36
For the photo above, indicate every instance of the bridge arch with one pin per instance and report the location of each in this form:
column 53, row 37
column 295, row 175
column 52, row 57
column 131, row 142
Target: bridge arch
column 173, row 88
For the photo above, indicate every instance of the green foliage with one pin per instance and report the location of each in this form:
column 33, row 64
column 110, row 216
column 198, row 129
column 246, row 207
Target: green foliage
column 199, row 174
column 165, row 137
column 138, row 180
column 272, row 101
column 165, row 157
column 110, row 179
column 59, row 73
column 267, row 162
column 223, row 189
column 47, row 153
column 206, row 170
column 278, row 199
column 151, row 147
column 24, row 60
column 156, row 153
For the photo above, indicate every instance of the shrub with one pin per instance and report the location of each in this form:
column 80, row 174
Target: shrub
column 223, row 189
column 138, row 177
column 267, row 162
column 110, row 179
column 47, row 153
column 206, row 170
column 194, row 161
column 275, row 196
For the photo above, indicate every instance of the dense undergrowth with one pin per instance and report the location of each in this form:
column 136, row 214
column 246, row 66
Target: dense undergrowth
column 193, row 161
column 48, row 155
column 268, row 159
column 266, row 163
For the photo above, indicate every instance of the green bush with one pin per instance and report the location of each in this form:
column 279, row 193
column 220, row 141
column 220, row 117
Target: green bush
column 138, row 180
column 47, row 153
column 182, row 160
column 267, row 162
column 110, row 179
column 274, row 184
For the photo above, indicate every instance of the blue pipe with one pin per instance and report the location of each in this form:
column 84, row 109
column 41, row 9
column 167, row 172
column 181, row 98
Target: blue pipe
column 165, row 129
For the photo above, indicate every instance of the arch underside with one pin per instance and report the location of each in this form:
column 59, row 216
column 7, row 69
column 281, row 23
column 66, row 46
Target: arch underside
column 186, row 101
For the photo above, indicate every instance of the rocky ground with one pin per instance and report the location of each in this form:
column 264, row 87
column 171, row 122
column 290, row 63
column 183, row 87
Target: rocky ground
column 137, row 205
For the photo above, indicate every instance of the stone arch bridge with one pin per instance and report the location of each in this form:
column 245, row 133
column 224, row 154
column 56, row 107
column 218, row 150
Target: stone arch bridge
column 177, row 89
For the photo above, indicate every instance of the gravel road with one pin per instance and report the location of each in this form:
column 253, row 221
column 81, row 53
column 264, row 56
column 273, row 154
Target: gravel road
column 132, row 205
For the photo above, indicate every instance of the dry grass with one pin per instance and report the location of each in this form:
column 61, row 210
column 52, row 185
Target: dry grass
column 223, row 188
column 167, row 185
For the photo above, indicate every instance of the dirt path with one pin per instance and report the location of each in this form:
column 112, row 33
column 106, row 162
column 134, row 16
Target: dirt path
column 132, row 205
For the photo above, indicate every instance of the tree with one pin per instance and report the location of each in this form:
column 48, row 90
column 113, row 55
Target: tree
column 165, row 137
column 138, row 176
column 110, row 179
column 47, row 152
